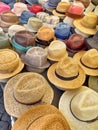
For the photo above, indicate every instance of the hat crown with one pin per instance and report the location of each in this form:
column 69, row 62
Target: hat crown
column 41, row 34
column 42, row 15
column 90, row 20
column 30, row 88
column 67, row 67
column 84, row 105
column 90, row 58
column 63, row 6
column 52, row 19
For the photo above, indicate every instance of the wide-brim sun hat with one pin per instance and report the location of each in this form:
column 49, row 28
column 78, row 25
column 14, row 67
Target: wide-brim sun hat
column 85, row 104
column 14, row 107
column 62, row 82
column 42, row 117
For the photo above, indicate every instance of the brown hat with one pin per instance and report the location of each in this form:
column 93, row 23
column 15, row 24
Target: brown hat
column 85, row 2
column 42, row 117
column 75, row 43
column 88, row 60
column 10, row 63
column 26, row 90
column 66, row 74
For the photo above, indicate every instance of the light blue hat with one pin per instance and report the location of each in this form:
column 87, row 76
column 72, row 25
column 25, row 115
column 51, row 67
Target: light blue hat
column 31, row 2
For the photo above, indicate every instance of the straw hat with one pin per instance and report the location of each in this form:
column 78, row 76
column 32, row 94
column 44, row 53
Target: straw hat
column 26, row 90
column 66, row 74
column 88, row 61
column 80, row 106
column 42, row 117
column 87, row 24
column 36, row 59
column 61, row 9
column 10, row 63
column 56, row 50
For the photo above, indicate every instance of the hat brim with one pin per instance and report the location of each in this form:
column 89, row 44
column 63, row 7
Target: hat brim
column 18, row 69
column 77, row 24
column 35, row 113
column 64, row 107
column 15, row 108
column 30, row 29
column 58, row 14
column 65, row 84
column 87, row 71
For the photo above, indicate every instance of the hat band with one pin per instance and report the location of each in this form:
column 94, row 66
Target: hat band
column 88, row 121
column 87, row 66
column 66, row 78
column 60, row 12
column 43, row 42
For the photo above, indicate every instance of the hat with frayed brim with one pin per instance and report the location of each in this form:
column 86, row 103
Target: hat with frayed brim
column 64, row 84
column 14, row 107
column 93, row 83
column 87, row 69
column 41, row 117
column 74, row 108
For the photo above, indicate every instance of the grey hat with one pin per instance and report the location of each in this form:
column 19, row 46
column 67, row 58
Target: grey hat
column 94, row 2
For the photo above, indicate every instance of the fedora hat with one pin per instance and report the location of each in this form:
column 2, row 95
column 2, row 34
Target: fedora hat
column 56, row 50
column 42, row 15
column 61, row 9
column 4, row 7
column 35, row 8
column 25, row 15
column 19, row 7
column 42, row 39
column 68, row 20
column 92, row 42
column 75, row 43
column 31, row 2
column 88, row 61
column 66, row 74
column 63, row 31
column 36, row 59
column 26, row 90
column 42, row 117
column 51, row 4
column 10, row 63
column 80, row 106
column 33, row 24
column 87, row 24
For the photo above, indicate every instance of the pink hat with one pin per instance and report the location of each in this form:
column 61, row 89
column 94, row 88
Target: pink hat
column 4, row 7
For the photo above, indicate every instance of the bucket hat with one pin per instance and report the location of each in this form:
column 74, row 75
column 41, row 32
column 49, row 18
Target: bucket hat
column 25, row 15
column 92, row 42
column 56, row 50
column 36, row 59
column 75, row 43
column 88, row 61
column 26, row 90
column 63, row 31
column 87, row 24
column 4, row 7
column 33, row 24
column 35, row 8
column 42, row 117
column 66, row 74
column 42, row 38
column 80, row 106
column 61, row 9
column 31, row 2
column 10, row 63
column 19, row 7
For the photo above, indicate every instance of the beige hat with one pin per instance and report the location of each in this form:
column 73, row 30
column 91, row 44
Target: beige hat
column 88, row 60
column 33, row 24
column 42, row 117
column 66, row 74
column 90, row 8
column 10, row 63
column 56, row 50
column 26, row 90
column 80, row 106
column 87, row 24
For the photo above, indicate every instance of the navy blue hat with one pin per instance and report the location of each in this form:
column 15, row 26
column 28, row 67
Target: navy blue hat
column 25, row 16
column 31, row 2
column 63, row 31
column 8, row 1
column 51, row 4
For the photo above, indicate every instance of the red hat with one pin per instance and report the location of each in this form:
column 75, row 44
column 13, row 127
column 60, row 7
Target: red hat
column 36, row 8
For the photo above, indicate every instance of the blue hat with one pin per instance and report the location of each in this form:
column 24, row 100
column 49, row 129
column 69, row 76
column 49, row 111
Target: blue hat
column 51, row 4
column 31, row 2
column 63, row 31
column 8, row 1
column 25, row 16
